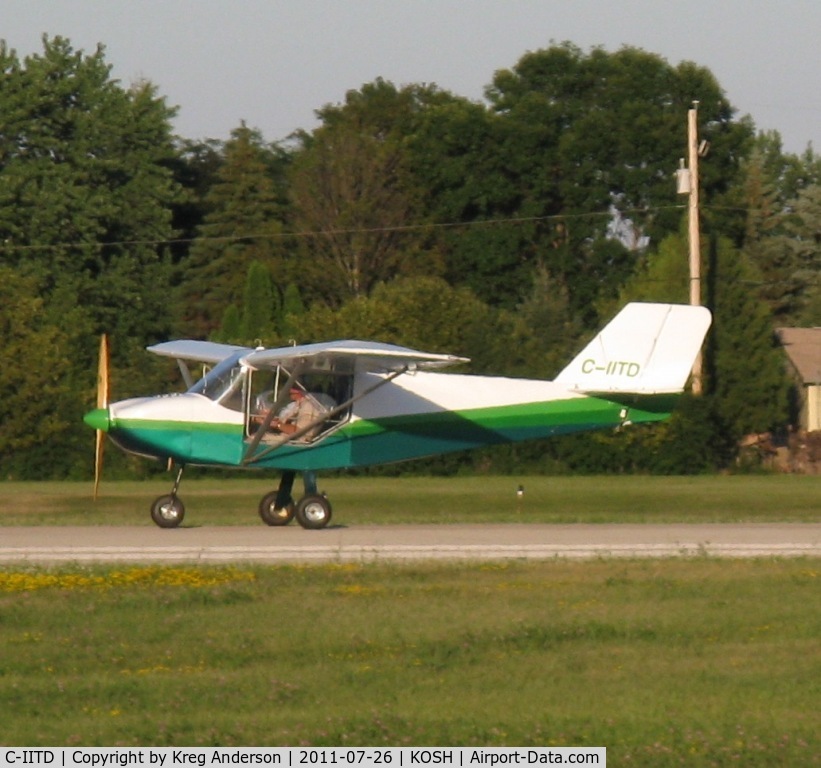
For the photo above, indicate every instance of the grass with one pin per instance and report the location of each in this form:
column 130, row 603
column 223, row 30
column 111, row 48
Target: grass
column 361, row 501
column 664, row 662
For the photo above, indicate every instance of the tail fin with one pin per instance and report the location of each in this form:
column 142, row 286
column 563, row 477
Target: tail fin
column 645, row 349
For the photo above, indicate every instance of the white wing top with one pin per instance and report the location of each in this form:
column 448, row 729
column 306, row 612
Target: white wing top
column 196, row 351
column 364, row 355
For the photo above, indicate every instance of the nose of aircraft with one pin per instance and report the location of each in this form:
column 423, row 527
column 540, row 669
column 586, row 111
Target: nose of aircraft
column 98, row 419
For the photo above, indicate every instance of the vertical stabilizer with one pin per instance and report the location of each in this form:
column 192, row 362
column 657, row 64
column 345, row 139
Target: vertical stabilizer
column 645, row 349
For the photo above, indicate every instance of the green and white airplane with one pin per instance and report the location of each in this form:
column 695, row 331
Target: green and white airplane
column 373, row 403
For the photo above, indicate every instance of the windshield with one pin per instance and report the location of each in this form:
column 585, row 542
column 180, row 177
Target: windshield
column 223, row 383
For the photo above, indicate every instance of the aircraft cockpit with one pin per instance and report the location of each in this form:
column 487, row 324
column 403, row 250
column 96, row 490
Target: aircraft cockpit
column 327, row 390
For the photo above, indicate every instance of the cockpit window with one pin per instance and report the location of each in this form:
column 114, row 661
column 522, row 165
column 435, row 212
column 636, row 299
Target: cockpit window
column 324, row 390
column 224, row 383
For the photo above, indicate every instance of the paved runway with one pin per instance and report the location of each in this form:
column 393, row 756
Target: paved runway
column 260, row 544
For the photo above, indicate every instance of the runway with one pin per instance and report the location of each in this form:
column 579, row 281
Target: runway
column 291, row 544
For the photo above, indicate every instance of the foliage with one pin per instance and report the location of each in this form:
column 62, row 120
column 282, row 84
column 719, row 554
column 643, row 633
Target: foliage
column 743, row 365
column 353, row 197
column 421, row 312
column 782, row 195
column 243, row 224
column 85, row 205
column 602, row 133
column 33, row 427
column 505, row 230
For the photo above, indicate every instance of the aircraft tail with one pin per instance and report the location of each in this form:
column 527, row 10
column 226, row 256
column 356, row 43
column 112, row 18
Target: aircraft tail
column 646, row 349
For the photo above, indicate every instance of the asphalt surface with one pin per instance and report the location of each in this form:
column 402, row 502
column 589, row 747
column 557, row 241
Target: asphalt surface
column 291, row 544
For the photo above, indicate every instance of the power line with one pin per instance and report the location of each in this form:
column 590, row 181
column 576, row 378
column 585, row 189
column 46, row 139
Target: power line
column 8, row 246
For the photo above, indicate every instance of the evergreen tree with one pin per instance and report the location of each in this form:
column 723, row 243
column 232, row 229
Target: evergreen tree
column 261, row 307
column 783, row 203
column 244, row 223
column 744, row 366
column 230, row 330
column 293, row 308
column 803, row 239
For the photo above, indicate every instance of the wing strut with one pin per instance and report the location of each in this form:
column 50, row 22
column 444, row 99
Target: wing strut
column 250, row 458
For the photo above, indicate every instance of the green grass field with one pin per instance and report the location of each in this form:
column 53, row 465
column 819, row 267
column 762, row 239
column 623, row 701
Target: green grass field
column 665, row 662
column 360, row 501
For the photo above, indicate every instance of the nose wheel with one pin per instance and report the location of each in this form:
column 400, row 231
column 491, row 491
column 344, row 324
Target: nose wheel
column 167, row 511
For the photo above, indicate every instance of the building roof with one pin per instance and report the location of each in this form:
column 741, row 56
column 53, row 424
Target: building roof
column 803, row 347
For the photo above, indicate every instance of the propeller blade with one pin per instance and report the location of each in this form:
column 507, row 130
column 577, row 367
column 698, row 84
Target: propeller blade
column 102, row 373
column 102, row 402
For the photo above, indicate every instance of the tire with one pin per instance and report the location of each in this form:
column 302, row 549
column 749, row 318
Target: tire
column 167, row 511
column 313, row 511
column 271, row 515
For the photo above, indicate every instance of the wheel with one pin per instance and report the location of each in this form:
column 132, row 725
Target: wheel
column 167, row 511
column 313, row 511
column 272, row 515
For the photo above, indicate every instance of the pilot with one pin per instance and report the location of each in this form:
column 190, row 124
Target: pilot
column 298, row 414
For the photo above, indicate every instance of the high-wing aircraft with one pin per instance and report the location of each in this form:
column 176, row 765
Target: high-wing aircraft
column 363, row 403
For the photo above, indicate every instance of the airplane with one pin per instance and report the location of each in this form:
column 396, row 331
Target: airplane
column 373, row 403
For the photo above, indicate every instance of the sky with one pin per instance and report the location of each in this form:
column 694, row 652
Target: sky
column 272, row 63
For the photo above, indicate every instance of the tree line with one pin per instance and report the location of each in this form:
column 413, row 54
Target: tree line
column 506, row 231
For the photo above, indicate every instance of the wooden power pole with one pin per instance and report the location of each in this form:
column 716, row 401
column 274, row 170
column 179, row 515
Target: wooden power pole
column 693, row 229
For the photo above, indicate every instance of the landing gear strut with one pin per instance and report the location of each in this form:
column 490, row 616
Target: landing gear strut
column 312, row 511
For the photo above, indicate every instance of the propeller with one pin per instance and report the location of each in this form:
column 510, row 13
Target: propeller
column 102, row 403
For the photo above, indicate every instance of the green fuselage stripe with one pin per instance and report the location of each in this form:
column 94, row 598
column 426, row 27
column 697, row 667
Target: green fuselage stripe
column 392, row 439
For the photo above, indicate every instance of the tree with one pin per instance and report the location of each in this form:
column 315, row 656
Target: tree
column 38, row 403
column 803, row 239
column 293, row 309
column 422, row 312
column 85, row 209
column 783, row 203
column 744, row 371
column 244, row 223
column 744, row 366
column 86, row 189
column 353, row 196
column 593, row 137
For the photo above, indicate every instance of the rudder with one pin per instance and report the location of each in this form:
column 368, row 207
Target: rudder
column 646, row 349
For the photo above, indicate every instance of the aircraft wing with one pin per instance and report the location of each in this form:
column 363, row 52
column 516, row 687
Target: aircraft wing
column 196, row 351
column 364, row 355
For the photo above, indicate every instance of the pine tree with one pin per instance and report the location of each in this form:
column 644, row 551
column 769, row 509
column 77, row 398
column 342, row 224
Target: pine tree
column 243, row 225
column 261, row 307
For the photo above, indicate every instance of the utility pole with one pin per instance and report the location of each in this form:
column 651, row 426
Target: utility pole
column 688, row 184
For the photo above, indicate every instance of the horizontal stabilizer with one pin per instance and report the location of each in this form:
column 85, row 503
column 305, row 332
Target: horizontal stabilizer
column 645, row 349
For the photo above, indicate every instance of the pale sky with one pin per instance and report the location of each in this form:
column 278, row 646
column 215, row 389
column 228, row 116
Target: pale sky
column 272, row 63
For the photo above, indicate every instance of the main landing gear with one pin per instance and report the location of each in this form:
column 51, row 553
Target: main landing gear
column 313, row 511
